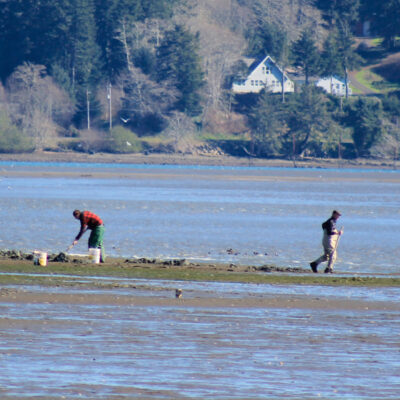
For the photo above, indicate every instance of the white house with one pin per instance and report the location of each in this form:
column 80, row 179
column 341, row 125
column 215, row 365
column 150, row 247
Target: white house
column 334, row 85
column 263, row 75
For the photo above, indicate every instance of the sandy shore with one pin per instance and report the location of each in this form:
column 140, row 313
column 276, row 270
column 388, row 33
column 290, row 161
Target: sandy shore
column 180, row 159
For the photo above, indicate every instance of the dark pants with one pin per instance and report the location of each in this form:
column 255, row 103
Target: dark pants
column 96, row 241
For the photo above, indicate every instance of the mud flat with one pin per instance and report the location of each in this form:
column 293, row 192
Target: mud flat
column 76, row 334
column 17, row 267
column 118, row 331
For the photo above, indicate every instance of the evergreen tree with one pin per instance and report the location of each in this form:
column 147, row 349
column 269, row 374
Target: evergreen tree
column 341, row 14
column 84, row 52
column 347, row 56
column 308, row 121
column 109, row 14
column 32, row 31
column 158, row 8
column 85, row 58
column 304, row 54
column 330, row 62
column 48, row 30
column 265, row 39
column 364, row 117
column 180, row 62
column 267, row 121
column 387, row 21
column 14, row 38
column 335, row 11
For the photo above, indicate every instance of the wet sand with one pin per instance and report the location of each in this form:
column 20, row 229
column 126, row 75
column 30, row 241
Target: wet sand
column 93, row 335
column 116, row 344
column 105, row 299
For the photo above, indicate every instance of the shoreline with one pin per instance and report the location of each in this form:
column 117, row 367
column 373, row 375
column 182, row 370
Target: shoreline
column 201, row 160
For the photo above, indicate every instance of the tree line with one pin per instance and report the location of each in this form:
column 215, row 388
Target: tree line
column 311, row 122
column 119, row 69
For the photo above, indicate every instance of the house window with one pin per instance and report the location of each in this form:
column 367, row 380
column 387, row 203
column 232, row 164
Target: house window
column 256, row 83
column 252, row 83
column 267, row 70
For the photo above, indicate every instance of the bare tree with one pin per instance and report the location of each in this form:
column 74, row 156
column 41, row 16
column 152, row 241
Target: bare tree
column 181, row 131
column 220, row 48
column 388, row 146
column 135, row 35
column 36, row 104
column 143, row 95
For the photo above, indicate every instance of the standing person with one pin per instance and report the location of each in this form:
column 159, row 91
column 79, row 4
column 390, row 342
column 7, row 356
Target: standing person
column 93, row 222
column 329, row 242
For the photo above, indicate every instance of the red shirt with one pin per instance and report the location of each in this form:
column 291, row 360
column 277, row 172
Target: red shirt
column 88, row 220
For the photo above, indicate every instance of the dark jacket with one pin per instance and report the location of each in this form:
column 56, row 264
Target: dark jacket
column 330, row 226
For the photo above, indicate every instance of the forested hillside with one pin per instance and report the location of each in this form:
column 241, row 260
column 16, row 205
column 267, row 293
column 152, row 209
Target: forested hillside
column 156, row 76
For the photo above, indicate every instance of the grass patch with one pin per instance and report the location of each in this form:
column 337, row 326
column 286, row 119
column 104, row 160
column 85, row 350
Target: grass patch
column 367, row 78
column 377, row 41
column 376, row 82
column 207, row 136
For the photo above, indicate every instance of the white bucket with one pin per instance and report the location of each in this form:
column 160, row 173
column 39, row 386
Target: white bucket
column 40, row 258
column 94, row 255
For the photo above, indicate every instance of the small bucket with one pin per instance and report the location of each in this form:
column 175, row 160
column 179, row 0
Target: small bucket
column 94, row 255
column 40, row 258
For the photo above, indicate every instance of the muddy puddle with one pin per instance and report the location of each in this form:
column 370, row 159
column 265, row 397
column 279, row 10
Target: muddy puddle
column 205, row 345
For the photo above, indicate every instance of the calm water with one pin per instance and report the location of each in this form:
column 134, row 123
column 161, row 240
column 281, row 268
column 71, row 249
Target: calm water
column 108, row 351
column 266, row 215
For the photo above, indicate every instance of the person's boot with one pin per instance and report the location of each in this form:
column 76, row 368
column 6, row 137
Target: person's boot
column 328, row 270
column 314, row 266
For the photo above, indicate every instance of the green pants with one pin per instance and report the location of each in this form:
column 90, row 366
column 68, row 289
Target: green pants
column 96, row 241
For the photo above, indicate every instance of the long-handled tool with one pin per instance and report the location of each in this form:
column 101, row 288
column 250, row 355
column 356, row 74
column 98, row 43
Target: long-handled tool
column 69, row 248
column 339, row 236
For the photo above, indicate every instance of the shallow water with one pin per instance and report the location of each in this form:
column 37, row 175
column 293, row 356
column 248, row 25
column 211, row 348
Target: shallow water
column 104, row 350
column 266, row 215
column 173, row 352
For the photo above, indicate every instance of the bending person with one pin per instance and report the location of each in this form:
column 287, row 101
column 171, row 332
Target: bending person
column 93, row 222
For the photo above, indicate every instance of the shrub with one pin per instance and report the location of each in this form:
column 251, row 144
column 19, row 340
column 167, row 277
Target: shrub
column 12, row 140
column 124, row 141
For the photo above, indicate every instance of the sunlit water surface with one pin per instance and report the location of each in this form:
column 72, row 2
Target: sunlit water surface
column 265, row 215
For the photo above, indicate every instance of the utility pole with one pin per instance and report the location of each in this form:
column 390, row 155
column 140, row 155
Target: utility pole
column 88, row 108
column 340, row 134
column 109, row 105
